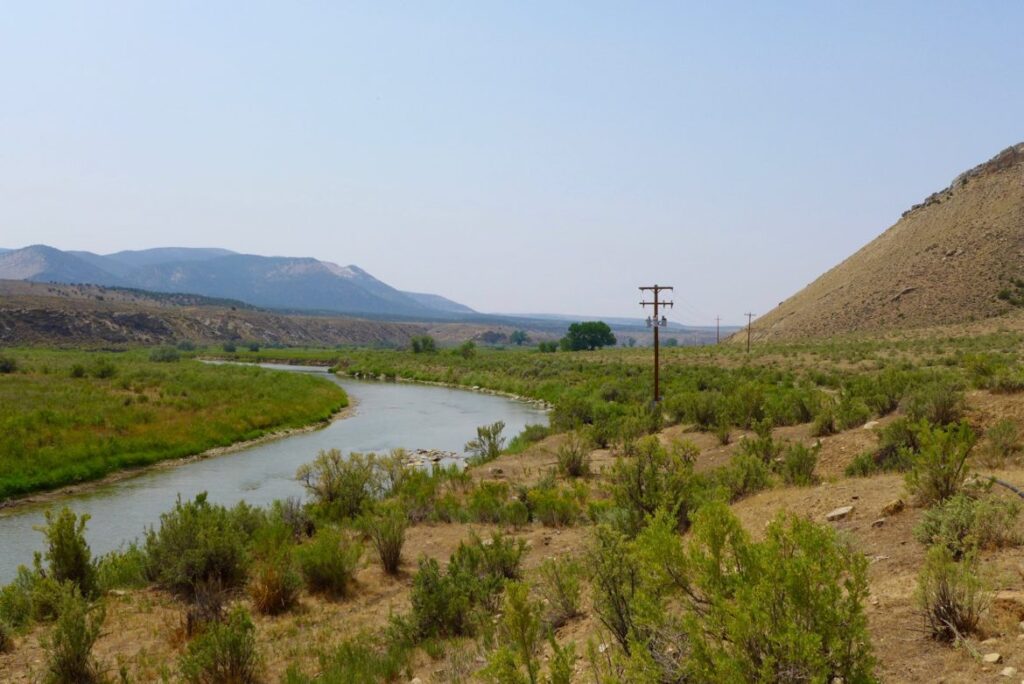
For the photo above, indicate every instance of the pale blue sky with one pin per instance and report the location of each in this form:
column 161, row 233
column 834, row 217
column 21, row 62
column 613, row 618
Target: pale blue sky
column 518, row 156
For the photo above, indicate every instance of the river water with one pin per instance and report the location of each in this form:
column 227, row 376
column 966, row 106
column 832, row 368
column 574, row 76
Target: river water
column 387, row 416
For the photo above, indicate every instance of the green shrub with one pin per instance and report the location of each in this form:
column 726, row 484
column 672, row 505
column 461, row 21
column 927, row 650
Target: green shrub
column 445, row 604
column 825, row 423
column 487, row 445
column 655, row 477
column 937, row 402
column 386, row 529
column 127, row 569
column 229, row 347
column 487, row 503
column 519, row 636
column 555, row 506
column 745, row 475
column 103, row 369
column 897, row 443
column 77, row 370
column 342, row 487
column 531, row 434
column 328, row 561
column 358, row 661
column 440, row 607
column 762, row 445
column 197, row 543
column 574, row 456
column 963, row 524
column 1003, row 442
column 558, row 583
column 420, row 344
column 69, row 658
column 950, row 596
column 8, row 364
column 939, row 468
column 797, row 465
column 48, row 595
column 615, row 577
column 16, row 598
column 274, row 583
column 68, row 558
column 851, row 412
column 224, row 652
column 787, row 608
column 164, row 355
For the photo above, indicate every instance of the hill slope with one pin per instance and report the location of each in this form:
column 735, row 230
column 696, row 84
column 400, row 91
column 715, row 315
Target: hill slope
column 289, row 283
column 954, row 258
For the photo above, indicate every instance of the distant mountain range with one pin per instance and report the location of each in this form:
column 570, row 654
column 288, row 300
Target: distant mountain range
column 285, row 283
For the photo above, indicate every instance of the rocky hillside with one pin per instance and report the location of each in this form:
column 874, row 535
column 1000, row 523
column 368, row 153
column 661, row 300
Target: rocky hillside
column 954, row 258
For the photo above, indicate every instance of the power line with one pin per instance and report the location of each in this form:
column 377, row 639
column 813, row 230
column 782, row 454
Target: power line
column 656, row 323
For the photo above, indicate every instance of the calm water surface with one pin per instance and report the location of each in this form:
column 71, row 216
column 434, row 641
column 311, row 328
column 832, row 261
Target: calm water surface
column 387, row 416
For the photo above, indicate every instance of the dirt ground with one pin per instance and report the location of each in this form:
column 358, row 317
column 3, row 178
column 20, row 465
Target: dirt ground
column 142, row 630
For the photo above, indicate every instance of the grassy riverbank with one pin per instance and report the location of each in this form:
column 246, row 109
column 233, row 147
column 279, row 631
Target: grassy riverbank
column 73, row 416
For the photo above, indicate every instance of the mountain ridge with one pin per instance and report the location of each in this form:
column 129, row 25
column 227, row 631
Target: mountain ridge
column 294, row 283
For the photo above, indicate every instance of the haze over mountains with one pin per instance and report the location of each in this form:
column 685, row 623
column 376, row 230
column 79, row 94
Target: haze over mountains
column 957, row 257
column 285, row 283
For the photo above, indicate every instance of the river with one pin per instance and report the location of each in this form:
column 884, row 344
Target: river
column 388, row 415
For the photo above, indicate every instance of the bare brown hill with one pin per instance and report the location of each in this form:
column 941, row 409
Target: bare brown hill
column 42, row 313
column 954, row 258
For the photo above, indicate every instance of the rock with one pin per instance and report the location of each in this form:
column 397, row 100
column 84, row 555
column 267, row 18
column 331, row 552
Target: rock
column 415, row 680
column 497, row 472
column 878, row 523
column 893, row 507
column 870, row 424
column 840, row 513
column 992, row 658
column 1020, row 625
column 1008, row 671
column 989, row 641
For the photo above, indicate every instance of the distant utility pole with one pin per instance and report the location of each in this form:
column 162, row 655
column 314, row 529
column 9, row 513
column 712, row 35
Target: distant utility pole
column 656, row 323
column 718, row 329
column 750, row 317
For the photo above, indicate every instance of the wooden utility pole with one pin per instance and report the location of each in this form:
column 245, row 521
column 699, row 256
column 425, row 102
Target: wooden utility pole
column 750, row 317
column 718, row 329
column 656, row 323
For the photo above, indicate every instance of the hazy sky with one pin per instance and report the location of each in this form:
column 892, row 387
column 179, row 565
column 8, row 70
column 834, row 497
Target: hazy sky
column 517, row 156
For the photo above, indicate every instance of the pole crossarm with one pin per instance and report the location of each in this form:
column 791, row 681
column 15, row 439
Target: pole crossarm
column 653, row 322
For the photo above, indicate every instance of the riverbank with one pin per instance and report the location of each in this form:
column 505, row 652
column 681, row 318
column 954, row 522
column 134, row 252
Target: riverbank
column 15, row 504
column 75, row 416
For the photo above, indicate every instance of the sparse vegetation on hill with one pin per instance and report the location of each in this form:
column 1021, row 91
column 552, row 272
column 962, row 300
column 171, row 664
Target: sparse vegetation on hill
column 955, row 258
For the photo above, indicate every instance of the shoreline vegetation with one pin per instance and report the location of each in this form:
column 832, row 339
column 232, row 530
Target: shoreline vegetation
column 74, row 417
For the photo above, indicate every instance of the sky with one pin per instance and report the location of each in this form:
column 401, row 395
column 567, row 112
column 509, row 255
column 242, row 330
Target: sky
column 542, row 157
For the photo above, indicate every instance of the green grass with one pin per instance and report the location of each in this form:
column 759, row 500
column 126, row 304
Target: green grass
column 126, row 411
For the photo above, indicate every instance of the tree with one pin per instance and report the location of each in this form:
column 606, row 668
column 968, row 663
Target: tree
column 548, row 347
column 519, row 338
column 423, row 343
column 588, row 335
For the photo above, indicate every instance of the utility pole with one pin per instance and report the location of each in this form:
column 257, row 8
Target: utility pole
column 750, row 317
column 718, row 329
column 656, row 323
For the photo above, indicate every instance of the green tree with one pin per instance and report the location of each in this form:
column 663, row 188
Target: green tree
column 588, row 335
column 519, row 338
column 423, row 344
